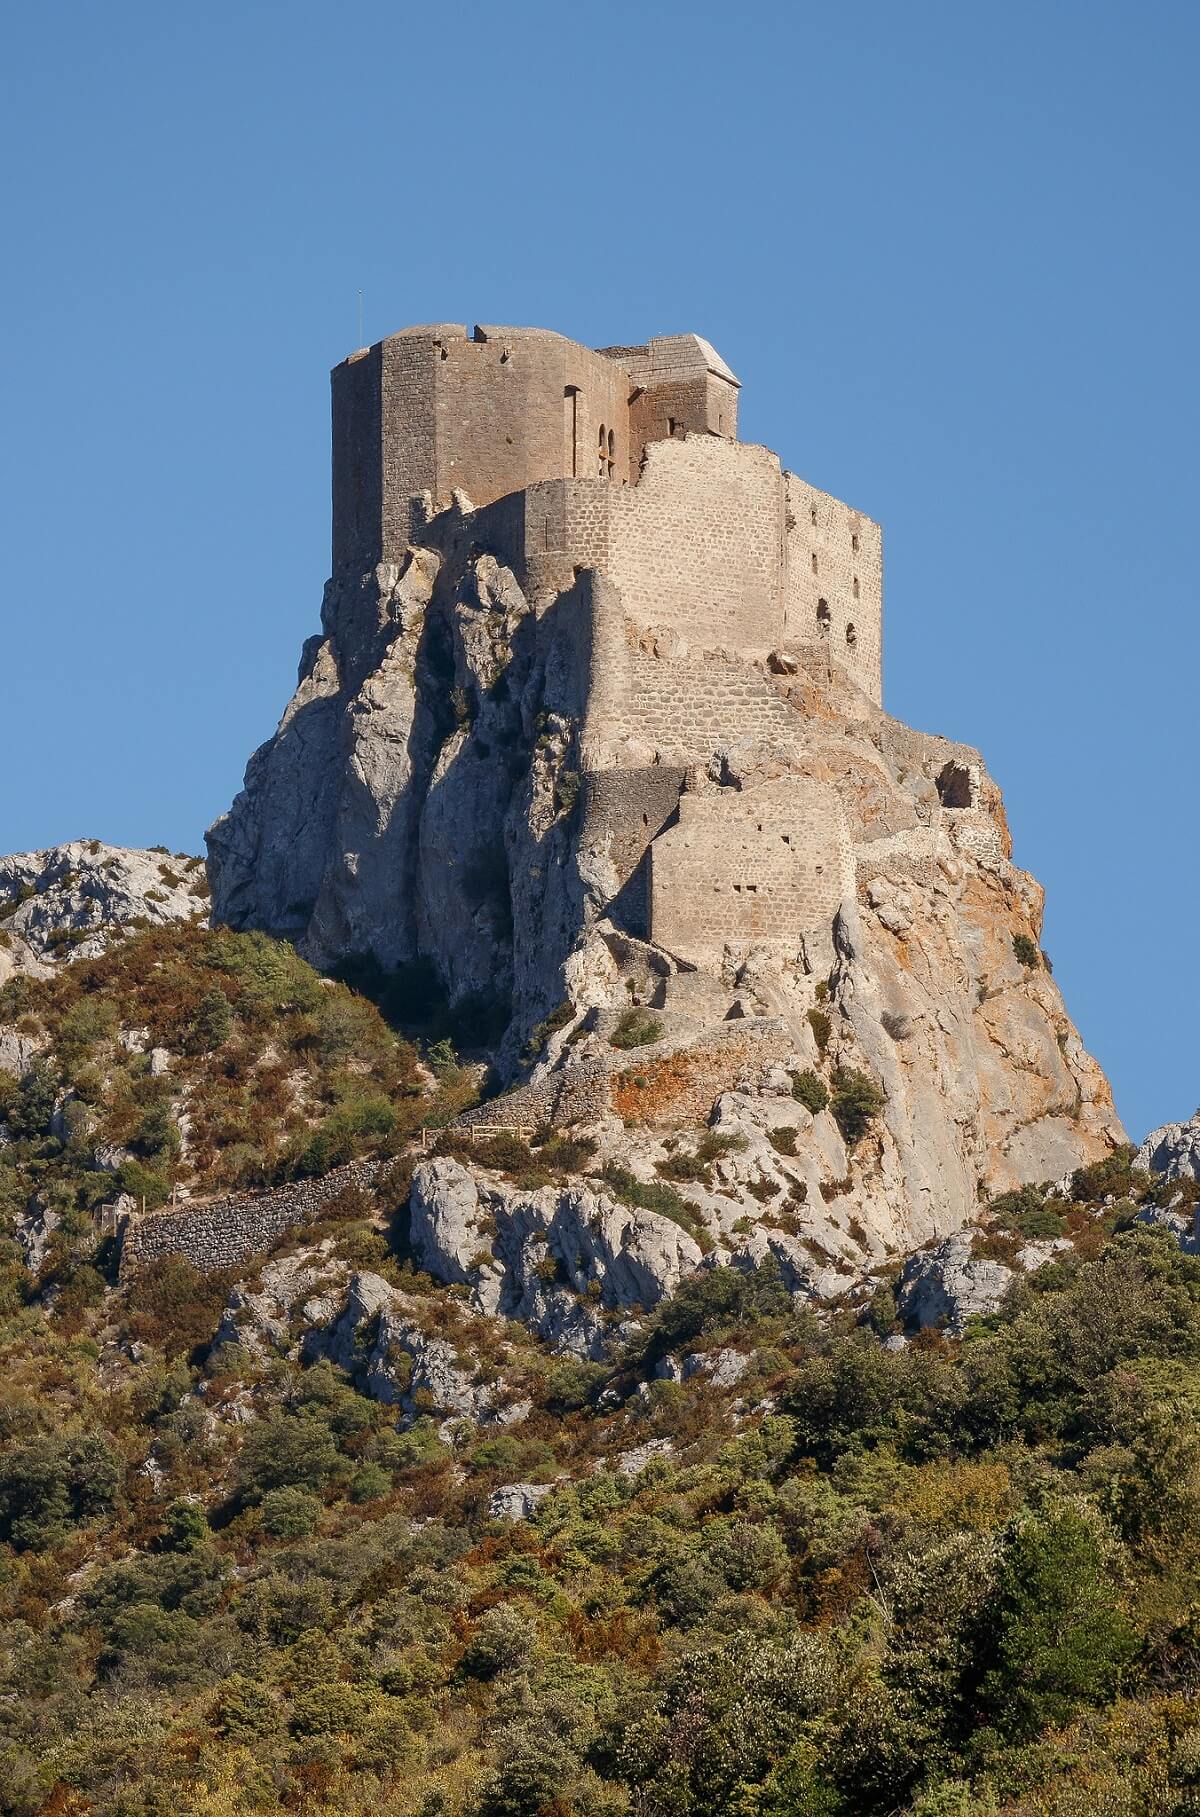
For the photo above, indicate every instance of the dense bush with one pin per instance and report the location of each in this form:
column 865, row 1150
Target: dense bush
column 857, row 1101
column 959, row 1576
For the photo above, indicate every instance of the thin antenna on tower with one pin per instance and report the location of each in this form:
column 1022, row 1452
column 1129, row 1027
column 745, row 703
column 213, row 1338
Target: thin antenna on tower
column 360, row 326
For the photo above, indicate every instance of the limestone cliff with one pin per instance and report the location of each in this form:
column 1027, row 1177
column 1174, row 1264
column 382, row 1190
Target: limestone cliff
column 575, row 816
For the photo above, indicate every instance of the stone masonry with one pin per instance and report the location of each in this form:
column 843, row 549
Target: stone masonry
column 229, row 1231
column 613, row 484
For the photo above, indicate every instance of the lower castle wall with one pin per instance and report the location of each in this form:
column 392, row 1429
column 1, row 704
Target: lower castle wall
column 678, row 1086
column 229, row 1231
column 760, row 866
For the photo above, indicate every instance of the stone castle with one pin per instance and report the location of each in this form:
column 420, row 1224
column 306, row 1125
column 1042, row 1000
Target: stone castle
column 593, row 727
column 613, row 484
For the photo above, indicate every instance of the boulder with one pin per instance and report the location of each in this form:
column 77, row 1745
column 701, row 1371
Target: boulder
column 945, row 1286
column 517, row 1501
column 1172, row 1151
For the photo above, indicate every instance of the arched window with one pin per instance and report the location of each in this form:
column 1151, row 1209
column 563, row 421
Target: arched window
column 824, row 616
column 612, row 450
column 851, row 636
column 603, row 457
column 854, row 541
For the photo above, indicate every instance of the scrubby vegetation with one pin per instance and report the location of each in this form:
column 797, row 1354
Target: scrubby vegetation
column 964, row 1577
column 636, row 1028
column 959, row 1577
column 205, row 1060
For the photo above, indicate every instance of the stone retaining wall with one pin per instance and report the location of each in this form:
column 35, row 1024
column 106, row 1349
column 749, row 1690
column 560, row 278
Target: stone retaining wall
column 228, row 1231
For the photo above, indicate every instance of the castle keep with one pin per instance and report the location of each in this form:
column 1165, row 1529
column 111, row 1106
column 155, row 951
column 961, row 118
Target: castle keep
column 625, row 461
column 613, row 484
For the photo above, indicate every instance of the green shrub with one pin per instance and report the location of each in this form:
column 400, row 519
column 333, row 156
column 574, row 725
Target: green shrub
column 185, row 1527
column 656, row 1196
column 857, row 1101
column 289, row 1513
column 1026, row 951
column 212, row 1024
column 1060, row 1636
column 783, row 1139
column 50, row 1485
column 287, row 1452
column 368, row 1483
column 636, row 1028
column 822, row 1028
column 810, row 1090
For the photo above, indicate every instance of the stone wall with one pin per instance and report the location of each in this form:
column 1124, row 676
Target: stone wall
column 683, row 1077
column 678, row 1090
column 755, row 867
column 434, row 409
column 697, row 545
column 228, row 1231
column 833, row 591
column 623, row 811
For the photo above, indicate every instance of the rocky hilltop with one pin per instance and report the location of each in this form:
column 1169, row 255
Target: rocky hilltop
column 72, row 901
column 441, row 789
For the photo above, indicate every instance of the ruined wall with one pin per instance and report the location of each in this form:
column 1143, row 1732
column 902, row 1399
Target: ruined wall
column 672, row 1085
column 833, row 590
column 749, row 867
column 228, row 1231
column 623, row 811
column 678, row 1090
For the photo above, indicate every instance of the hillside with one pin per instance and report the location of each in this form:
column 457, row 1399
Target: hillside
column 581, row 1266
column 314, row 1536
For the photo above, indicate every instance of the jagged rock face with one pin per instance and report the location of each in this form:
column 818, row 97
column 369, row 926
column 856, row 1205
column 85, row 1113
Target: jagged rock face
column 565, row 1262
column 66, row 902
column 432, row 792
column 1173, row 1150
column 407, row 805
column 312, row 1307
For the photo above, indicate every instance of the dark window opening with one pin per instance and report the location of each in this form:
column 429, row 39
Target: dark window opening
column 854, row 541
column 814, row 561
column 855, row 585
column 824, row 616
column 954, row 787
column 851, row 636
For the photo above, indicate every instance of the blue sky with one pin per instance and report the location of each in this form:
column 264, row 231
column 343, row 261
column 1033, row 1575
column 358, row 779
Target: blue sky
column 951, row 250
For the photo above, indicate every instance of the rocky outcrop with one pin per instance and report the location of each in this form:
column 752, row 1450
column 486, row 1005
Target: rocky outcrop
column 1172, row 1150
column 566, row 1261
column 70, row 901
column 456, row 783
column 312, row 1307
column 943, row 1287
